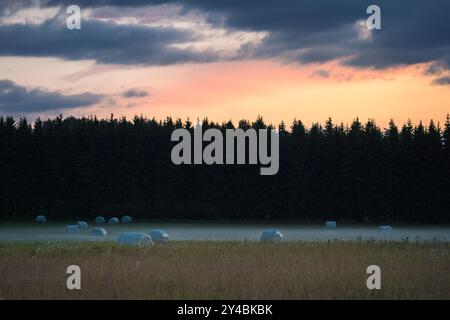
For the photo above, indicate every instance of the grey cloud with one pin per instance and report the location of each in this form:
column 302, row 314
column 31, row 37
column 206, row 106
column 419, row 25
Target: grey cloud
column 10, row 6
column 321, row 73
column 104, row 42
column 442, row 81
column 413, row 31
column 435, row 68
column 19, row 99
column 135, row 93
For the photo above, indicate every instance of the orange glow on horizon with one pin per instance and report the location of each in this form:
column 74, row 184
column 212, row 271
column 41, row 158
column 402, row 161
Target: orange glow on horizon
column 244, row 90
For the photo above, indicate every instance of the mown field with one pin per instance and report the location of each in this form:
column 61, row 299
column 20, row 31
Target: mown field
column 225, row 270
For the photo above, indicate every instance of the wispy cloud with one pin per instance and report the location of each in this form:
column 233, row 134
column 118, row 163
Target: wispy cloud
column 135, row 93
column 321, row 73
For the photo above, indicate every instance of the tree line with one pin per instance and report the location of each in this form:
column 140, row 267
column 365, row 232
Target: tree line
column 84, row 167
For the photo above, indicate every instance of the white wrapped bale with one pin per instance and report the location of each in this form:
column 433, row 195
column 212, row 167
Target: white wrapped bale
column 126, row 219
column 113, row 221
column 159, row 236
column 139, row 239
column 271, row 236
column 72, row 228
column 100, row 220
column 82, row 225
column 330, row 224
column 41, row 219
column 385, row 228
column 99, row 232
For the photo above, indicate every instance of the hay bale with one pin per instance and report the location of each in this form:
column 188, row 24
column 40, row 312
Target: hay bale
column 41, row 219
column 330, row 224
column 82, row 225
column 113, row 220
column 139, row 239
column 126, row 219
column 99, row 232
column 159, row 236
column 72, row 228
column 100, row 220
column 385, row 228
column 271, row 236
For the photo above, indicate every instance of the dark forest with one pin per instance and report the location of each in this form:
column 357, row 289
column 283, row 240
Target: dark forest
column 84, row 167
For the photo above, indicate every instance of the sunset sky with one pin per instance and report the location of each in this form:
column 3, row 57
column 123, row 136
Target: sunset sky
column 227, row 59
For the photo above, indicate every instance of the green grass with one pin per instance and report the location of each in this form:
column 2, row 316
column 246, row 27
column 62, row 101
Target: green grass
column 225, row 270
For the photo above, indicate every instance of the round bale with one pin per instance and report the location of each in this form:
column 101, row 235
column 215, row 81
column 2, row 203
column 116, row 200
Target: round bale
column 99, row 232
column 271, row 236
column 159, row 236
column 113, row 220
column 72, row 228
column 139, row 239
column 126, row 219
column 100, row 220
column 330, row 224
column 82, row 225
column 41, row 219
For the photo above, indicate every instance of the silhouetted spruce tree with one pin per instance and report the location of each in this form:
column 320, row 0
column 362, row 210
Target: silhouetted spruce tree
column 82, row 167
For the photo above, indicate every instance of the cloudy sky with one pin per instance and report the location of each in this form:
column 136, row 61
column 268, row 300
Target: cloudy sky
column 226, row 59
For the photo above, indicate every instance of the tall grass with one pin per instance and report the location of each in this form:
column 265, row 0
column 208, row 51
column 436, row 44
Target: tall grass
column 225, row 270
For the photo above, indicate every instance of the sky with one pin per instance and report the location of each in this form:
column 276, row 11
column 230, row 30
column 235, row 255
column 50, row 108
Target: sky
column 226, row 59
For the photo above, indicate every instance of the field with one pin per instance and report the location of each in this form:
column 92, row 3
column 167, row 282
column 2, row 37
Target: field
column 225, row 270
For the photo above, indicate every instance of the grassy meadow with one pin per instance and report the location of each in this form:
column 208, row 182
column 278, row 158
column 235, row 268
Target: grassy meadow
column 225, row 270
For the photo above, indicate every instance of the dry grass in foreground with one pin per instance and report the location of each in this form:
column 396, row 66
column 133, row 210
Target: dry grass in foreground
column 217, row 270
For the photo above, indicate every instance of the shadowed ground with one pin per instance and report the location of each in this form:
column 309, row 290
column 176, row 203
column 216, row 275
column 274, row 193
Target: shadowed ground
column 225, row 270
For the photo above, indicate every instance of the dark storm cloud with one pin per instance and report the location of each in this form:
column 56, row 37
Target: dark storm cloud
column 18, row 99
column 104, row 42
column 135, row 93
column 103, row 3
column 413, row 31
